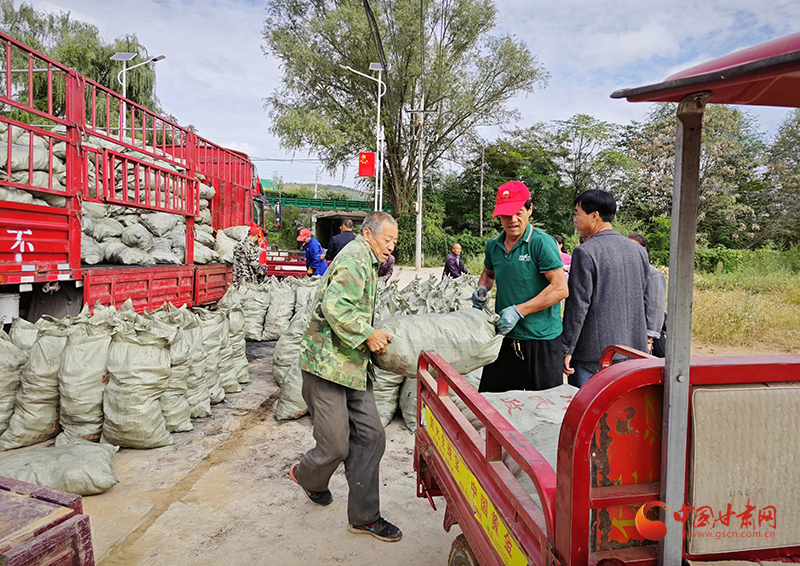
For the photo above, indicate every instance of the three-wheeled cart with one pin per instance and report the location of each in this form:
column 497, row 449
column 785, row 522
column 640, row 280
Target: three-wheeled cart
column 715, row 440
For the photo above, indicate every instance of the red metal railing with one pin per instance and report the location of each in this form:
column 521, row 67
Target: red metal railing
column 529, row 524
column 110, row 143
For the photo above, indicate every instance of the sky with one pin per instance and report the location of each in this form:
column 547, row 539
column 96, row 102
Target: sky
column 216, row 75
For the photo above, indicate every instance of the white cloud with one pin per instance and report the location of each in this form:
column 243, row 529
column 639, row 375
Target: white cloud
column 216, row 77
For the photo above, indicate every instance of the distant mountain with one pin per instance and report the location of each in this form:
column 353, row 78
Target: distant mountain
column 323, row 191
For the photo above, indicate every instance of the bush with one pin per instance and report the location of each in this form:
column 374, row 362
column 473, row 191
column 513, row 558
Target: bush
column 723, row 260
column 436, row 243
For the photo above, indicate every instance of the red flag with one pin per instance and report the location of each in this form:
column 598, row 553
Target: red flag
column 366, row 164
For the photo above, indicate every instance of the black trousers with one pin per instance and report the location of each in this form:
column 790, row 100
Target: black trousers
column 531, row 365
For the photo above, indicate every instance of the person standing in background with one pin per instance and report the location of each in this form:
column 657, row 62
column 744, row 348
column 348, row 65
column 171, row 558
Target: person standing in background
column 387, row 268
column 315, row 258
column 656, row 303
column 453, row 266
column 566, row 259
column 340, row 240
column 607, row 289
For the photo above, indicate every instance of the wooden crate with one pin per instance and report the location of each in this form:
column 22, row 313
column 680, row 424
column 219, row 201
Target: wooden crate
column 42, row 527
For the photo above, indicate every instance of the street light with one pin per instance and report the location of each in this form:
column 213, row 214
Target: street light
column 378, row 130
column 125, row 57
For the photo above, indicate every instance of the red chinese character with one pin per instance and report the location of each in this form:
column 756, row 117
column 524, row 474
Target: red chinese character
column 541, row 401
column 747, row 516
column 683, row 514
column 725, row 518
column 703, row 517
column 769, row 516
column 449, row 451
column 507, row 543
column 495, row 522
column 457, row 463
column 474, row 491
column 513, row 404
column 484, row 504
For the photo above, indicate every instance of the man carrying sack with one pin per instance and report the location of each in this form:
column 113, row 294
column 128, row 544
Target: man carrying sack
column 334, row 354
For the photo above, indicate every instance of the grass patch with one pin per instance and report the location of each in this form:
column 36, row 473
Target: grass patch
column 748, row 309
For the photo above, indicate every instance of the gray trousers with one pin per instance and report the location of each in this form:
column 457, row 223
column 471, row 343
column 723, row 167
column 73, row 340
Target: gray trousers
column 347, row 429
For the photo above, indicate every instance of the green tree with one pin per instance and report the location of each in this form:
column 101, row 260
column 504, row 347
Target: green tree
column 518, row 156
column 444, row 52
column 782, row 191
column 732, row 151
column 77, row 45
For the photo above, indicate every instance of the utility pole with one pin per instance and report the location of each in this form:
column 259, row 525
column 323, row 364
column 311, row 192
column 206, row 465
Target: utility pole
column 480, row 225
column 419, row 187
column 316, row 182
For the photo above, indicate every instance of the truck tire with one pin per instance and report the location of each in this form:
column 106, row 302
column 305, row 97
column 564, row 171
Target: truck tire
column 461, row 554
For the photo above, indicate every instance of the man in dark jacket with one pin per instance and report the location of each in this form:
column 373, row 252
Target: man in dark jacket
column 340, row 240
column 608, row 289
column 453, row 266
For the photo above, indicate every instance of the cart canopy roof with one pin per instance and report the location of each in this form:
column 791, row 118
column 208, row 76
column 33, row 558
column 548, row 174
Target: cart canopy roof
column 763, row 75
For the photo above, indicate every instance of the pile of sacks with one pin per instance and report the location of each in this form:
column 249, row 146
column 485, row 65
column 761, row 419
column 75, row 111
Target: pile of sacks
column 117, row 376
column 115, row 234
column 435, row 314
column 270, row 305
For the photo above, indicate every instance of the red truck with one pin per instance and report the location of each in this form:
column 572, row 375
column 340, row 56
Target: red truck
column 709, row 443
column 103, row 140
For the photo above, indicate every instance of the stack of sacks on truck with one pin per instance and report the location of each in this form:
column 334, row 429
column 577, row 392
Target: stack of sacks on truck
column 112, row 234
column 427, row 314
column 117, row 376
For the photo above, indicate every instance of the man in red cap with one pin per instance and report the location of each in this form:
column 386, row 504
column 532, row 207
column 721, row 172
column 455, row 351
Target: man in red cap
column 246, row 255
column 526, row 265
column 315, row 257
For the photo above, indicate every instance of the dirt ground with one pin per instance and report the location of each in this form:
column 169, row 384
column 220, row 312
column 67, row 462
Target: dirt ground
column 221, row 495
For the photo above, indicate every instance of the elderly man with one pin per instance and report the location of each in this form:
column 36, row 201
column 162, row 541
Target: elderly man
column 608, row 289
column 526, row 264
column 340, row 240
column 334, row 353
column 315, row 258
column 246, row 254
column 453, row 266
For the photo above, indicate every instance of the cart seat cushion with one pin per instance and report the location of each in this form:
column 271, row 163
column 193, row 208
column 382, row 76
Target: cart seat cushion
column 744, row 457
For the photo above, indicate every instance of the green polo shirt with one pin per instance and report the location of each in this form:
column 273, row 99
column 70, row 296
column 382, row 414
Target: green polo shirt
column 519, row 277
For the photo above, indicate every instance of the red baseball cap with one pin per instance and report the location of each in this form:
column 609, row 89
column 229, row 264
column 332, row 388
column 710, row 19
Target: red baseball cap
column 254, row 229
column 511, row 196
column 303, row 234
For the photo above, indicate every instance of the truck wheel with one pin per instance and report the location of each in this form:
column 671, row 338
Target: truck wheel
column 460, row 553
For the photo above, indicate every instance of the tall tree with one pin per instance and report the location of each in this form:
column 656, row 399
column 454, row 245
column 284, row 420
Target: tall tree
column 782, row 192
column 444, row 51
column 732, row 151
column 519, row 156
column 77, row 45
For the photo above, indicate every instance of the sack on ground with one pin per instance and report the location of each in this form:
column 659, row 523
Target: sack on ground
column 286, row 369
column 81, row 467
column 279, row 315
column 213, row 324
column 81, row 383
column 23, row 334
column 12, row 361
column 466, row 339
column 254, row 304
column 139, row 372
column 35, row 417
column 227, row 370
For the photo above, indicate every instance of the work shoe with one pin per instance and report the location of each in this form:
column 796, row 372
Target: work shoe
column 319, row 497
column 380, row 529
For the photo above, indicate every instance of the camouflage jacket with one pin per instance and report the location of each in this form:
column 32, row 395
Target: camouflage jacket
column 245, row 261
column 334, row 346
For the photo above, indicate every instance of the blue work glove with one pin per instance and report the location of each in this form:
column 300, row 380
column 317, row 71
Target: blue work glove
column 509, row 317
column 479, row 297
